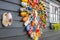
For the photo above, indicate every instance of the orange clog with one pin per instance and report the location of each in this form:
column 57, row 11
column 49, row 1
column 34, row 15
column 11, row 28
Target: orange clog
column 25, row 19
column 32, row 23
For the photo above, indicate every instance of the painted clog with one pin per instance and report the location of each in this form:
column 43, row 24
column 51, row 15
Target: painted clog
column 28, row 27
column 23, row 14
column 32, row 23
column 24, row 4
column 25, row 1
column 27, row 22
column 7, row 19
column 10, row 18
column 22, row 9
column 25, row 19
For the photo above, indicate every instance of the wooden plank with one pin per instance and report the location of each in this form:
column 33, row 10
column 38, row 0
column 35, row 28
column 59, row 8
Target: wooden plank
column 9, row 6
column 16, row 29
column 14, row 1
column 12, row 32
column 16, row 38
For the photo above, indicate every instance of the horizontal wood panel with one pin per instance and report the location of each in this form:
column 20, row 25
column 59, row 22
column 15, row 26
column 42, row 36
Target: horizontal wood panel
column 14, row 1
column 12, row 32
column 16, row 38
column 9, row 6
column 17, row 26
column 51, row 35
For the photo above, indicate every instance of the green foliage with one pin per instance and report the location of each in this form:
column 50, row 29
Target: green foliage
column 56, row 26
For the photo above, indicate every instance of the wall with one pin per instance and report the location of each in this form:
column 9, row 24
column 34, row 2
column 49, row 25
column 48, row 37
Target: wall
column 16, row 29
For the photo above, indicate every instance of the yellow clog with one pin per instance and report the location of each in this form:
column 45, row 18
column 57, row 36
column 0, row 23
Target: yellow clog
column 23, row 14
column 35, row 37
column 24, row 0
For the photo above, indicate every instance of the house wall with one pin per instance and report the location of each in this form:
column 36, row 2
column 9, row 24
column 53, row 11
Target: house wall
column 16, row 30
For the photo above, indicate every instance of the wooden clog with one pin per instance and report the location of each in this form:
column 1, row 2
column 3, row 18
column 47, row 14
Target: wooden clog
column 22, row 9
column 36, row 1
column 25, row 1
column 24, row 4
column 27, row 22
column 33, row 3
column 23, row 14
column 43, row 24
column 10, row 18
column 42, row 2
column 35, row 37
column 7, row 19
column 4, row 20
column 32, row 35
column 28, row 27
column 32, row 23
column 25, row 19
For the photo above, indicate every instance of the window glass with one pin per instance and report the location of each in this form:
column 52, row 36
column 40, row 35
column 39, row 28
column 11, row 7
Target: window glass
column 54, row 14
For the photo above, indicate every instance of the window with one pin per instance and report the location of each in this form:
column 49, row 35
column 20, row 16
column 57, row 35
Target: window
column 54, row 13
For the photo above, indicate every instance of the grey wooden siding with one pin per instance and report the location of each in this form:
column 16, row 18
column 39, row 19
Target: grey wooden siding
column 16, row 29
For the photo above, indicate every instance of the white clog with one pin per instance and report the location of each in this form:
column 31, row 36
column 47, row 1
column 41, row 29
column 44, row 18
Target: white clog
column 7, row 19
column 22, row 9
column 10, row 18
column 24, row 4
column 27, row 22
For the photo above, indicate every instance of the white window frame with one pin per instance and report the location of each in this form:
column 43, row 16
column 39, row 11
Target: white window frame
column 54, row 16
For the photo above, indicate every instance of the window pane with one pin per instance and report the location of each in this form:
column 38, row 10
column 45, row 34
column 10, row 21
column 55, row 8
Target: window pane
column 54, row 14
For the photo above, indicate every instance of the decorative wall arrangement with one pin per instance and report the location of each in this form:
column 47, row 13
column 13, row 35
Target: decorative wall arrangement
column 34, row 17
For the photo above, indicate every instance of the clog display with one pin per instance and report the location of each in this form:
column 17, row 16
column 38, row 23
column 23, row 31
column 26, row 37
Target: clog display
column 7, row 19
column 34, row 18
